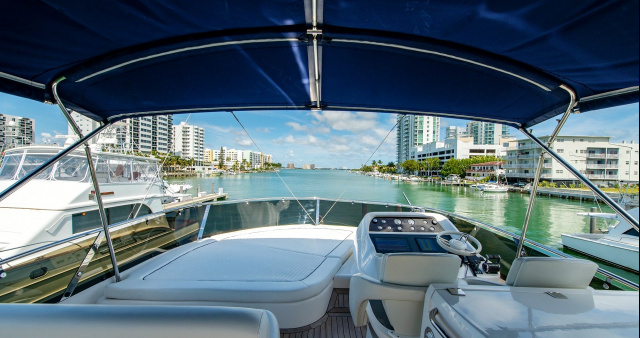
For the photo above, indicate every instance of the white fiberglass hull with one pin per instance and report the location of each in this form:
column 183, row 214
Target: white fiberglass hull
column 493, row 189
column 595, row 245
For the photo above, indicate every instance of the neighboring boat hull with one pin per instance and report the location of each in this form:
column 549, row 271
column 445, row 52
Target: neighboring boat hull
column 593, row 245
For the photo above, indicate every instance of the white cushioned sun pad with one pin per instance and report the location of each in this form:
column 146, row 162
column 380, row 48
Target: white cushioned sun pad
column 238, row 260
column 252, row 268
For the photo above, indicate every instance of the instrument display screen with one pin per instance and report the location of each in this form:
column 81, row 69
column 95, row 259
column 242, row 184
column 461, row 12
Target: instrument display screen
column 391, row 244
column 429, row 244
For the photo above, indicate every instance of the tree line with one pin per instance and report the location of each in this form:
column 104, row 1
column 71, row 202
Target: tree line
column 430, row 166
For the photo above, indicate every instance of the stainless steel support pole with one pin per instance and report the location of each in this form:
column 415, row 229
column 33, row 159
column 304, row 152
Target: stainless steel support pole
column 608, row 200
column 536, row 180
column 94, row 179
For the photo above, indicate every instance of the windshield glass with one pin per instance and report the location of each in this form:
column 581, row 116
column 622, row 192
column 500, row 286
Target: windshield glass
column 71, row 168
column 9, row 167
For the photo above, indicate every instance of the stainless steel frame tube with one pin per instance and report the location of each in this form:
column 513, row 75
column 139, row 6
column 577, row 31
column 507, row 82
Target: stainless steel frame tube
column 536, row 179
column 94, row 179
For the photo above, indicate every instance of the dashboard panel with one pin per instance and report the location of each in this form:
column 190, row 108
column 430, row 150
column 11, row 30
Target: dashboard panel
column 409, row 243
column 405, row 224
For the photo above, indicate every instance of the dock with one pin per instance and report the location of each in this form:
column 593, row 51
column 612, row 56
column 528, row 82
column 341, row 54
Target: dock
column 575, row 194
column 195, row 200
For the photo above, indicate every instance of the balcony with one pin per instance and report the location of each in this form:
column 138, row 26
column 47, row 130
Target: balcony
column 602, row 166
column 596, row 155
column 602, row 177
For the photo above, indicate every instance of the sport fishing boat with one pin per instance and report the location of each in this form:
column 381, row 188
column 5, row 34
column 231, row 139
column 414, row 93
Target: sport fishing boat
column 60, row 202
column 293, row 266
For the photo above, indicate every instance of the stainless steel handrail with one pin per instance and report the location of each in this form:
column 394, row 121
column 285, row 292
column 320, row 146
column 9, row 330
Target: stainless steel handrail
column 432, row 319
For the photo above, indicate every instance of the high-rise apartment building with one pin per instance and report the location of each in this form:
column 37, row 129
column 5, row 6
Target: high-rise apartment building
column 189, row 141
column 414, row 131
column 16, row 131
column 139, row 134
column 486, row 132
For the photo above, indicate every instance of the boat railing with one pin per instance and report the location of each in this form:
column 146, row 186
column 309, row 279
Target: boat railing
column 47, row 273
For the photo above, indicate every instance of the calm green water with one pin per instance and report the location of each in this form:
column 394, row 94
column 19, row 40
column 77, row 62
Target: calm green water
column 551, row 216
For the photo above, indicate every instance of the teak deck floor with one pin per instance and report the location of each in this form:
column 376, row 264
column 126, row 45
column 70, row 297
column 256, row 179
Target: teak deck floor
column 336, row 323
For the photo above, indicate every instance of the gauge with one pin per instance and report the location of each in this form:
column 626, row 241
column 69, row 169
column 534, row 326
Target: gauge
column 434, row 221
column 388, row 228
column 383, row 221
column 400, row 228
column 375, row 220
column 411, row 222
column 422, row 228
column 413, row 228
column 379, row 227
column 432, row 228
column 397, row 221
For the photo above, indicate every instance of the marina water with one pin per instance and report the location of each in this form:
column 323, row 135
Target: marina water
column 550, row 218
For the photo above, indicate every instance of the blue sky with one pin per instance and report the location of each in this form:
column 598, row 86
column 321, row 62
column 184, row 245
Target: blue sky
column 327, row 138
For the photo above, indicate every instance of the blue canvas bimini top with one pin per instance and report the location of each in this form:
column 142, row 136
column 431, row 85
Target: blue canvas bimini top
column 500, row 61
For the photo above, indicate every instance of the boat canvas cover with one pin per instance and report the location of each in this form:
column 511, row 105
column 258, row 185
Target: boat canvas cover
column 500, row 61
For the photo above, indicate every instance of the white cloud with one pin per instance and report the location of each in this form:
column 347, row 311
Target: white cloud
column 263, row 130
column 245, row 142
column 296, row 126
column 346, row 121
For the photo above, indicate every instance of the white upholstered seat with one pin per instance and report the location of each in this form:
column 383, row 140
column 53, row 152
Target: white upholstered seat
column 403, row 281
column 551, row 272
column 98, row 321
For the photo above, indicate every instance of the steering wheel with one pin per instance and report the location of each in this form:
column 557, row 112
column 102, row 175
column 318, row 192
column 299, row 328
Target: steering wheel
column 459, row 246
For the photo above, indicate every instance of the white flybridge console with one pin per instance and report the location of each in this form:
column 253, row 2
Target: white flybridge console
column 381, row 233
column 398, row 255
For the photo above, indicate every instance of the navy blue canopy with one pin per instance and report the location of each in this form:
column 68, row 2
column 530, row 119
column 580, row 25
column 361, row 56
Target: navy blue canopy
column 513, row 62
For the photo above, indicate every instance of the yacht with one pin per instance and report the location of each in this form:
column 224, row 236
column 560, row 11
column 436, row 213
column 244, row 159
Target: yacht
column 293, row 267
column 60, row 202
column 618, row 245
column 492, row 187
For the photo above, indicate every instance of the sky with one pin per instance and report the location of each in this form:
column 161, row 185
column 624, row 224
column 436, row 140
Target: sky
column 328, row 139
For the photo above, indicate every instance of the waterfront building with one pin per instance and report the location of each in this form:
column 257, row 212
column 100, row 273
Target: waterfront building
column 291, row 166
column 189, row 141
column 486, row 132
column 309, row 166
column 460, row 148
column 414, row 131
column 601, row 161
column 16, row 131
column 453, row 131
column 479, row 171
column 139, row 134
column 247, row 158
column 208, row 155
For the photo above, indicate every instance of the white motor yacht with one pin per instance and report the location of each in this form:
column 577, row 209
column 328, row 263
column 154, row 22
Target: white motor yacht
column 310, row 267
column 619, row 245
column 60, row 202
column 490, row 187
